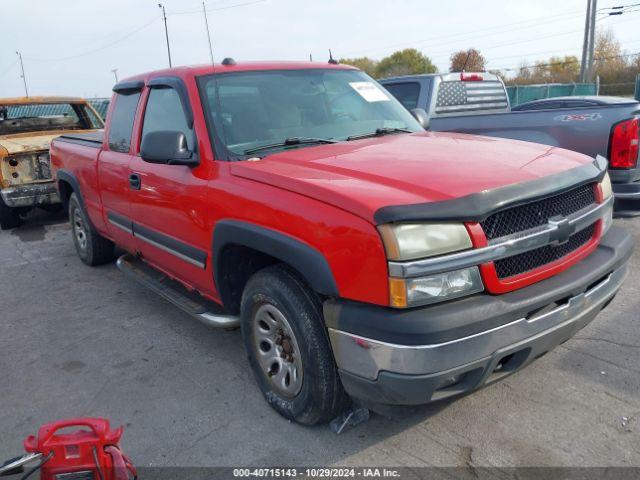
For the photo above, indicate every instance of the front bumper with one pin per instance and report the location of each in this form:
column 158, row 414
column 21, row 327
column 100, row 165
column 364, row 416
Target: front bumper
column 31, row 195
column 626, row 189
column 426, row 354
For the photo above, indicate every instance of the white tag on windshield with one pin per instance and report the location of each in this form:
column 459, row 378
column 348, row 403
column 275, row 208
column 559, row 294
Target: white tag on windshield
column 369, row 91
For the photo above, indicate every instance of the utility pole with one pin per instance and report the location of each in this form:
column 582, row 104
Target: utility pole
column 166, row 32
column 585, row 44
column 206, row 23
column 115, row 74
column 24, row 79
column 592, row 31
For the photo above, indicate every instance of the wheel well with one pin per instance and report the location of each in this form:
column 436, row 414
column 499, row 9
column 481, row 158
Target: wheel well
column 66, row 190
column 237, row 264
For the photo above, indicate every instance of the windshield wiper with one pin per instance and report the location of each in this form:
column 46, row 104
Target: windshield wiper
column 379, row 132
column 290, row 142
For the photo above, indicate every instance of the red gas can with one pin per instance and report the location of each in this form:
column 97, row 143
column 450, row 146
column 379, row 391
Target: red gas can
column 87, row 453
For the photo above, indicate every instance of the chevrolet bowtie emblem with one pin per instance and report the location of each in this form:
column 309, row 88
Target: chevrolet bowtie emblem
column 563, row 230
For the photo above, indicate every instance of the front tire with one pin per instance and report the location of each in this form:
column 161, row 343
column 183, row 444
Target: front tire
column 288, row 347
column 93, row 249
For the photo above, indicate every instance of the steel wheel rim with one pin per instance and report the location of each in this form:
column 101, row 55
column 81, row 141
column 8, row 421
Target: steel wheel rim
column 277, row 351
column 79, row 229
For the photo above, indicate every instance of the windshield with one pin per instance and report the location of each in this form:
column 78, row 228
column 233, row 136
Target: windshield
column 30, row 117
column 250, row 110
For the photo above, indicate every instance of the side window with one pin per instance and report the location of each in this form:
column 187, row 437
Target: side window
column 406, row 93
column 164, row 112
column 121, row 123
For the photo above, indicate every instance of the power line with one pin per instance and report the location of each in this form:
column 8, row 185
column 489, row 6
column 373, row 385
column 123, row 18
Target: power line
column 443, row 53
column 94, row 50
column 133, row 32
column 9, row 68
column 569, row 62
column 191, row 12
column 471, row 34
column 547, row 52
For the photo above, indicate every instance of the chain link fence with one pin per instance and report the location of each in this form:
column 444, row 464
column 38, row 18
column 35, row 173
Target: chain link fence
column 525, row 93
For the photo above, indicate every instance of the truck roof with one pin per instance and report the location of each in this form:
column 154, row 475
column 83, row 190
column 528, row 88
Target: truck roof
column 218, row 68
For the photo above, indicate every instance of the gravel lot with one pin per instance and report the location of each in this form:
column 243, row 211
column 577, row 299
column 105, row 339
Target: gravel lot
column 80, row 341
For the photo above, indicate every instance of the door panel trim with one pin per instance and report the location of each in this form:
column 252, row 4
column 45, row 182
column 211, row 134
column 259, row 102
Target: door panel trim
column 120, row 221
column 178, row 249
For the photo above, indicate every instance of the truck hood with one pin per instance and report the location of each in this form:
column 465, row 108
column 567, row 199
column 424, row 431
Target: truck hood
column 30, row 141
column 363, row 176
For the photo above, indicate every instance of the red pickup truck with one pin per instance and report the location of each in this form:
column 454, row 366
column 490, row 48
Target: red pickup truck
column 362, row 257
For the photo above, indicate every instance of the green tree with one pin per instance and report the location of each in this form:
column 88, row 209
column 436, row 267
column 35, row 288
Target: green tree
column 470, row 60
column 404, row 62
column 365, row 64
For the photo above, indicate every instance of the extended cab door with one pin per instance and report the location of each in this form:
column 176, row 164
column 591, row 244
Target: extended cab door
column 169, row 209
column 113, row 165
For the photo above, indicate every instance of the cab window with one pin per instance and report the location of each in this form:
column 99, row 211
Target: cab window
column 164, row 113
column 406, row 93
column 121, row 123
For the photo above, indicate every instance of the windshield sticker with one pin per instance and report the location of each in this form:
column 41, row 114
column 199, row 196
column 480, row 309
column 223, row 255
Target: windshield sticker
column 578, row 117
column 369, row 91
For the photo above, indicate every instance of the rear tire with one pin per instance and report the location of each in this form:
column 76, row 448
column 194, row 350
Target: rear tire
column 288, row 347
column 9, row 217
column 93, row 249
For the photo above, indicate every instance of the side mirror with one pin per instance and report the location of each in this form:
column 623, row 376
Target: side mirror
column 421, row 116
column 168, row 148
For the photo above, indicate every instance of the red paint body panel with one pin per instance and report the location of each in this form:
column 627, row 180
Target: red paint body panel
column 365, row 175
column 324, row 196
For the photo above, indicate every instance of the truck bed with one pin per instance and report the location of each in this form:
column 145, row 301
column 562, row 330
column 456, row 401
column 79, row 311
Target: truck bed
column 584, row 130
column 90, row 139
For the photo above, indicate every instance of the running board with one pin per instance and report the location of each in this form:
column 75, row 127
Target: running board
column 191, row 302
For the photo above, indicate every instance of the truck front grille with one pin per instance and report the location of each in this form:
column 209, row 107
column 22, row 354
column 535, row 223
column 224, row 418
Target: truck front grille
column 525, row 262
column 529, row 216
column 536, row 214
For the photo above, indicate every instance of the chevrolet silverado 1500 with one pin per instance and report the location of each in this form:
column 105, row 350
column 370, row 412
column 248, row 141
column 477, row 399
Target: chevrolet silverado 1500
column 361, row 256
column 477, row 103
column 27, row 125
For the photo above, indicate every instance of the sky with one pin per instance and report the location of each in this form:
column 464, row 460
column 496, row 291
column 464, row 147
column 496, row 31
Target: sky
column 70, row 47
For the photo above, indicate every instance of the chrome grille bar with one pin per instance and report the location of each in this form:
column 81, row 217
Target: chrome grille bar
column 553, row 233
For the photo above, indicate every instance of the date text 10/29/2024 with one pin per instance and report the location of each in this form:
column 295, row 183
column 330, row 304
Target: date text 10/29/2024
column 336, row 473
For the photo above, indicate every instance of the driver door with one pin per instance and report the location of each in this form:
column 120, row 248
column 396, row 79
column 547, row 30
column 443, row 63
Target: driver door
column 169, row 205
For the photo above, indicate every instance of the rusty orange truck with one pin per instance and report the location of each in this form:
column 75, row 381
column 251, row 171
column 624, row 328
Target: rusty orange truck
column 27, row 126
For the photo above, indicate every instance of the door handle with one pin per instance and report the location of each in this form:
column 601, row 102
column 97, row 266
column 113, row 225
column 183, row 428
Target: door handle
column 135, row 182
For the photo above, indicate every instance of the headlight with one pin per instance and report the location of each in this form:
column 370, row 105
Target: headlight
column 605, row 185
column 409, row 241
column 607, row 191
column 411, row 292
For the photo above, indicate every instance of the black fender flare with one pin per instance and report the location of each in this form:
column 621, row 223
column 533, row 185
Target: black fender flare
column 308, row 261
column 70, row 178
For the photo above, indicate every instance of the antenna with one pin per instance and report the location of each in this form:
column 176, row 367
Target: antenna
column 332, row 61
column 166, row 32
column 206, row 23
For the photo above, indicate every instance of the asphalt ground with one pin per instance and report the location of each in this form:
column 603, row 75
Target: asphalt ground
column 79, row 341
